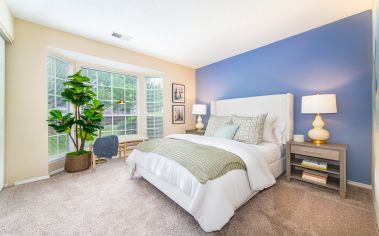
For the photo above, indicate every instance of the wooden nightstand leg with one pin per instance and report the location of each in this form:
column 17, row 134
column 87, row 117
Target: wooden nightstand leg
column 288, row 162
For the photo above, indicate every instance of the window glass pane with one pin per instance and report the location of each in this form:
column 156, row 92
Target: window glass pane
column 154, row 107
column 61, row 69
column 52, row 131
column 104, row 93
column 104, row 78
column 53, row 145
column 118, row 81
column 107, row 108
column 51, row 101
column 62, row 104
column 119, row 123
column 62, row 143
column 51, row 85
column 107, row 123
column 131, row 124
column 118, row 109
column 58, row 71
column 59, row 86
column 92, row 74
column 118, row 93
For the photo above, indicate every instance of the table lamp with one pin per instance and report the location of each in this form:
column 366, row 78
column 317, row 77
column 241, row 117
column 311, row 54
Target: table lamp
column 319, row 104
column 199, row 109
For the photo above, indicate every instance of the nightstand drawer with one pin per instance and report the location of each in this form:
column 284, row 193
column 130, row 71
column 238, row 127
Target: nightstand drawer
column 316, row 152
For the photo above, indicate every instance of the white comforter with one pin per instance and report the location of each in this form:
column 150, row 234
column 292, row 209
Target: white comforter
column 213, row 203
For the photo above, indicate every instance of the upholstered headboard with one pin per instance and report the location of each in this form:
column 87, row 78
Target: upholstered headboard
column 278, row 105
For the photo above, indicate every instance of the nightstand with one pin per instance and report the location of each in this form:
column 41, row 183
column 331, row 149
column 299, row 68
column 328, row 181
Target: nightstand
column 333, row 154
column 195, row 131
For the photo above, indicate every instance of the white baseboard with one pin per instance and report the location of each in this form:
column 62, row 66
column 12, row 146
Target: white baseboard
column 366, row 186
column 56, row 171
column 19, row 182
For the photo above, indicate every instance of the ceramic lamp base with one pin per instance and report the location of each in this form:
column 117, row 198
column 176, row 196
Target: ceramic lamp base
column 199, row 125
column 318, row 134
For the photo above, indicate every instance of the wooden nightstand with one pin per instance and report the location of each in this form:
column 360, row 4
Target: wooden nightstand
column 195, row 131
column 333, row 154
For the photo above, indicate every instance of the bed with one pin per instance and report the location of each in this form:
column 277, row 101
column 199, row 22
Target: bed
column 213, row 203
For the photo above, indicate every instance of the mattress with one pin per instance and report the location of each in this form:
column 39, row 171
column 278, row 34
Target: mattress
column 231, row 190
column 270, row 151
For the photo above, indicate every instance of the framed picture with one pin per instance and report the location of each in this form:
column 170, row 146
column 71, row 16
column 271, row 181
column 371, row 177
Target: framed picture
column 178, row 114
column 178, row 93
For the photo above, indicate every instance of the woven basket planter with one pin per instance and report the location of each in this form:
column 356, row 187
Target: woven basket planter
column 76, row 163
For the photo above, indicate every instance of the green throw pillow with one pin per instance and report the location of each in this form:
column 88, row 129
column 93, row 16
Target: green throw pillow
column 226, row 131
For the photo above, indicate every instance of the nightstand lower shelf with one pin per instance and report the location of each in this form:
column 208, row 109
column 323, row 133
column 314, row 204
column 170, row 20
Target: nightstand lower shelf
column 333, row 184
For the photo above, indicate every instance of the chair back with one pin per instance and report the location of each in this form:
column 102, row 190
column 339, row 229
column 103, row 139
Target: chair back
column 106, row 146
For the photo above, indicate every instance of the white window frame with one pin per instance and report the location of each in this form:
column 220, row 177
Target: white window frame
column 145, row 105
column 111, row 71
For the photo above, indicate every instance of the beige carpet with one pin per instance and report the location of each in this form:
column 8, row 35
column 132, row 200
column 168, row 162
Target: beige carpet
column 109, row 203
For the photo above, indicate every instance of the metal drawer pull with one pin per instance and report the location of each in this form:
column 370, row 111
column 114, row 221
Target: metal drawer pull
column 313, row 152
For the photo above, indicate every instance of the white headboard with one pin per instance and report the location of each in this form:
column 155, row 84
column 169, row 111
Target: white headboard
column 278, row 105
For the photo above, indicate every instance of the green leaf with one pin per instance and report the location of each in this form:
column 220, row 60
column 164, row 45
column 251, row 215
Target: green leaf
column 96, row 103
column 90, row 137
column 56, row 114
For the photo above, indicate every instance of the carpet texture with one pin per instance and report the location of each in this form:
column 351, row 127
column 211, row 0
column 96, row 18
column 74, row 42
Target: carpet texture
column 109, row 203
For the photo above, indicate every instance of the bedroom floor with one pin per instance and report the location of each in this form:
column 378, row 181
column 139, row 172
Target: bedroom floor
column 109, row 203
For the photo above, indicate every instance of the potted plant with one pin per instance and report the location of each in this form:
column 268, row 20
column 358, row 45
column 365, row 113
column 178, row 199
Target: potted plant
column 80, row 126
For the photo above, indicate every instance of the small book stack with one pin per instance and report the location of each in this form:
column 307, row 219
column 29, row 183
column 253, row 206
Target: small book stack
column 315, row 164
column 315, row 176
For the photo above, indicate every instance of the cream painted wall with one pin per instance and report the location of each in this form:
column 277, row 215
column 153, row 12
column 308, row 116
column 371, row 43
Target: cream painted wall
column 26, row 92
column 6, row 21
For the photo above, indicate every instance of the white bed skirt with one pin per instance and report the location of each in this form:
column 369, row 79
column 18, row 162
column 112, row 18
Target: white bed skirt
column 184, row 200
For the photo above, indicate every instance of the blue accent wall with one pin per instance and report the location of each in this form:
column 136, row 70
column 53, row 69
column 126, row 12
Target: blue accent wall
column 335, row 58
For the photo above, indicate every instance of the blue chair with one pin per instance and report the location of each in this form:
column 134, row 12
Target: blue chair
column 104, row 147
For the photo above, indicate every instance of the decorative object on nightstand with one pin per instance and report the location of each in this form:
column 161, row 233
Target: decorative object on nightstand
column 323, row 165
column 200, row 110
column 195, row 131
column 298, row 138
column 319, row 104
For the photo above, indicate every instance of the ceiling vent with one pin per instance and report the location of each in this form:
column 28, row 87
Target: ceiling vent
column 121, row 36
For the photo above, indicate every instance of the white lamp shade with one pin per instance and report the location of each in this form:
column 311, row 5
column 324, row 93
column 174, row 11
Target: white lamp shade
column 320, row 103
column 199, row 109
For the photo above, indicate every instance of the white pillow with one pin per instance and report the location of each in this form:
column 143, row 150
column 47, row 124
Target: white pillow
column 280, row 132
column 269, row 130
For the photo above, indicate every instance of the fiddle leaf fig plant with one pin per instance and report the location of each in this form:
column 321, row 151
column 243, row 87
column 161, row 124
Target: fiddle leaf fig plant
column 83, row 124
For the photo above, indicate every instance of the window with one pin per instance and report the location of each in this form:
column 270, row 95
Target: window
column 154, row 107
column 57, row 71
column 119, row 119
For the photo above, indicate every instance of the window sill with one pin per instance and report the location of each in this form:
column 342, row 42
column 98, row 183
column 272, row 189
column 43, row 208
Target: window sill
column 56, row 158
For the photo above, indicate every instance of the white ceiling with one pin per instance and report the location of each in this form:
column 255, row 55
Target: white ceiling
column 193, row 33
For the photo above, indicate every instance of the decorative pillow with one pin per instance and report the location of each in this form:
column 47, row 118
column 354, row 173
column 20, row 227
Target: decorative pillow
column 269, row 130
column 215, row 122
column 226, row 131
column 251, row 128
